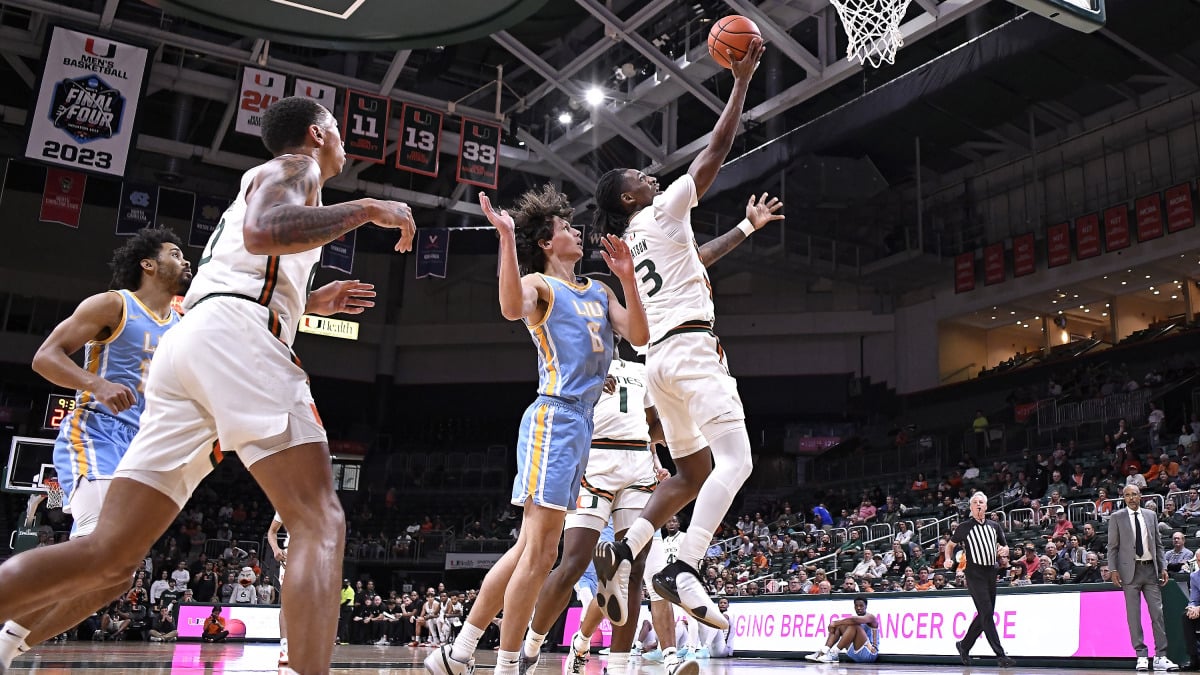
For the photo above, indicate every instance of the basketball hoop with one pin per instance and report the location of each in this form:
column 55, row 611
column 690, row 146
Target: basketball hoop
column 54, row 494
column 873, row 27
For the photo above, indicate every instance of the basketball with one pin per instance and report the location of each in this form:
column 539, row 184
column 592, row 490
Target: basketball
column 732, row 33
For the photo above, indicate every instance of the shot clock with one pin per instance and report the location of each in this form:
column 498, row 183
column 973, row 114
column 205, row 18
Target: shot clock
column 58, row 406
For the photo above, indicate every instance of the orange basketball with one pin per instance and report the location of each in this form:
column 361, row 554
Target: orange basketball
column 732, row 33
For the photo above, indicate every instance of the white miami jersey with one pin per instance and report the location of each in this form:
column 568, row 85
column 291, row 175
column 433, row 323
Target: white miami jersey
column 279, row 282
column 671, row 544
column 621, row 415
column 671, row 279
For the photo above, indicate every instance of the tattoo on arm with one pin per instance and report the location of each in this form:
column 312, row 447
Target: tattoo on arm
column 716, row 249
column 289, row 224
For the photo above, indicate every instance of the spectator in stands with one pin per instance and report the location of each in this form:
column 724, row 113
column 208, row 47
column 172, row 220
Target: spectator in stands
column 1056, row 485
column 1017, row 576
column 1187, row 436
column 1058, row 561
column 1029, row 561
column 1074, row 551
column 228, row 587
column 920, row 483
column 822, row 514
column 163, row 629
column 924, row 582
column 157, row 588
column 168, row 597
column 866, row 513
column 903, row 534
column 214, row 627
column 1133, row 477
column 1171, row 519
column 181, row 575
column 824, row 588
column 1178, row 555
column 1121, row 434
column 849, row 585
column 853, row 544
column 980, row 426
column 1104, row 505
column 1062, row 526
column 1191, row 505
column 916, row 557
column 1078, row 481
column 819, row 576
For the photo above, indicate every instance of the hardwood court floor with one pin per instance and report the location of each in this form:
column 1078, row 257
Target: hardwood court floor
column 178, row 658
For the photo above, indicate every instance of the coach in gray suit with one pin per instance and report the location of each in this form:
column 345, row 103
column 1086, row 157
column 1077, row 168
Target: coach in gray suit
column 1135, row 555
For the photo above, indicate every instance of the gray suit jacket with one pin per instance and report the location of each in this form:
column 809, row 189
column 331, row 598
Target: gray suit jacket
column 1121, row 553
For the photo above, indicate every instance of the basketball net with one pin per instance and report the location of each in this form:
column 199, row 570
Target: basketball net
column 873, row 27
column 54, row 494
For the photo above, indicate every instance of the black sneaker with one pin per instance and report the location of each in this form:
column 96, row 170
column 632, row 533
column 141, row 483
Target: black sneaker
column 680, row 583
column 1006, row 662
column 613, row 561
column 963, row 653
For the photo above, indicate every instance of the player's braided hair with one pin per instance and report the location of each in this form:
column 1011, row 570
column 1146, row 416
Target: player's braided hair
column 127, row 260
column 534, row 218
column 286, row 122
column 611, row 215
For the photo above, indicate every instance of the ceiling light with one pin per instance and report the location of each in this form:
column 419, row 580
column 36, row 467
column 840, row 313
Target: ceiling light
column 993, row 318
column 1018, row 322
column 1151, row 288
column 1123, row 283
column 1147, row 276
column 1086, row 311
column 1037, row 318
column 1104, row 277
column 1054, row 302
column 565, row 118
column 1103, row 313
column 1075, row 296
column 1175, row 282
column 594, row 96
column 521, row 143
column 1012, row 312
column 1174, row 297
column 1156, row 292
column 1081, row 307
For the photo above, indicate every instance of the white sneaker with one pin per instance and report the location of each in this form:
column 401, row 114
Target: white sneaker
column 830, row 656
column 613, row 561
column 1163, row 663
column 283, row 652
column 382, row 642
column 440, row 662
column 678, row 666
column 814, row 657
column 580, row 650
column 1143, row 663
column 680, row 583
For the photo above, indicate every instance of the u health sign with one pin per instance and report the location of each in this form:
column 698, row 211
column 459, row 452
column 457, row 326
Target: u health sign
column 479, row 154
column 87, row 102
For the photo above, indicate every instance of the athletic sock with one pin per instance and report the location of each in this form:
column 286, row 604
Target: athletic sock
column 12, row 642
column 617, row 663
column 694, row 545
column 533, row 643
column 506, row 661
column 640, row 534
column 466, row 642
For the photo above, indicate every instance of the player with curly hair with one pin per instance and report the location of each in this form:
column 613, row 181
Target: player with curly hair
column 571, row 320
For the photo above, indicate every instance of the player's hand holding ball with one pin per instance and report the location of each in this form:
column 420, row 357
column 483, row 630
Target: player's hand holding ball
column 736, row 43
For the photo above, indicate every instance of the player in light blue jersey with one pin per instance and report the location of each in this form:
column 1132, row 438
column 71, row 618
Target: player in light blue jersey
column 118, row 331
column 571, row 321
column 855, row 636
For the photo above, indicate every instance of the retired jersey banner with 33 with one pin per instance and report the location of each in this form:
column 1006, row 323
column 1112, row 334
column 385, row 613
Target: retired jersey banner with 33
column 87, row 102
column 260, row 89
column 325, row 94
column 139, row 205
column 206, row 215
column 479, row 154
column 62, row 197
column 364, row 128
column 433, row 252
column 339, row 253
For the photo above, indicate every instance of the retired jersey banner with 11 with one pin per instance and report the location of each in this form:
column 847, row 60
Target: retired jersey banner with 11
column 87, row 102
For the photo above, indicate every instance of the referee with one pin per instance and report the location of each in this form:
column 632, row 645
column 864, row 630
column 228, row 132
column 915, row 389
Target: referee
column 982, row 541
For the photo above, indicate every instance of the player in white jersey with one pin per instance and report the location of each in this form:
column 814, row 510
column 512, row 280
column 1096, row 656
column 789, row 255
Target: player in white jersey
column 622, row 472
column 228, row 370
column 280, row 554
column 688, row 377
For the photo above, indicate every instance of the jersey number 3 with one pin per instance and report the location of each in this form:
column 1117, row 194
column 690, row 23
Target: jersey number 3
column 650, row 276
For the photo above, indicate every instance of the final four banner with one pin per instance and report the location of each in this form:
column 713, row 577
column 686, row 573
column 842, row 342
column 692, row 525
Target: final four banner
column 139, row 205
column 433, row 252
column 87, row 102
column 260, row 88
column 325, row 94
column 206, row 216
column 339, row 253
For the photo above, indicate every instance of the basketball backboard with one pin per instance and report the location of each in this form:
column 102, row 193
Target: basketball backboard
column 1085, row 16
column 30, row 463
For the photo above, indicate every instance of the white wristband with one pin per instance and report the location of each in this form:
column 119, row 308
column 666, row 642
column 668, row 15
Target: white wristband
column 746, row 228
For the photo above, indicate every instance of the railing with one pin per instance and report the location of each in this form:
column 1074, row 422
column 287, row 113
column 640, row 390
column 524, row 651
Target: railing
column 424, row 546
column 1077, row 511
column 1131, row 406
column 480, row 545
column 930, row 529
column 901, row 461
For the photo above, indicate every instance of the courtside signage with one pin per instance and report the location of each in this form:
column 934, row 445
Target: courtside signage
column 323, row 325
column 87, row 102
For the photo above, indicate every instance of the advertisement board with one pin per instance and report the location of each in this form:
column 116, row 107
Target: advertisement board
column 244, row 622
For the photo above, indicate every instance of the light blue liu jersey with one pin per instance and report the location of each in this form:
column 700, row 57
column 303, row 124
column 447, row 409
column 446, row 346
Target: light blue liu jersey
column 575, row 346
column 92, row 439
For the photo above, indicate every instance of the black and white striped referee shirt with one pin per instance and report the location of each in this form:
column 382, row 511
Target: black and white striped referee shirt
column 979, row 541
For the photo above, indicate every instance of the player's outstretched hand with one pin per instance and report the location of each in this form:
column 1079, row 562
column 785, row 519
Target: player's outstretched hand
column 345, row 296
column 617, row 256
column 501, row 221
column 744, row 69
column 397, row 215
column 610, row 384
column 116, row 397
column 760, row 211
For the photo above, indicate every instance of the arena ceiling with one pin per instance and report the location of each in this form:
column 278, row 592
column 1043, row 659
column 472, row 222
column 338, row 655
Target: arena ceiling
column 849, row 163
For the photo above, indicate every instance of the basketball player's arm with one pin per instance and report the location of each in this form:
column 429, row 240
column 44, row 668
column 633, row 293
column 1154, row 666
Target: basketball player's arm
column 759, row 212
column 95, row 319
column 629, row 321
column 273, row 541
column 520, row 297
column 283, row 214
column 706, row 165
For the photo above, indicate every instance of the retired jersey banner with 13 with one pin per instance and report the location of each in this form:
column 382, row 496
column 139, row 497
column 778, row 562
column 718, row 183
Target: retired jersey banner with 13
column 87, row 102
column 420, row 140
column 260, row 89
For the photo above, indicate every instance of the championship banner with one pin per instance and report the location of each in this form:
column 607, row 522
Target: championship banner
column 1058, row 245
column 1116, row 228
column 339, row 253
column 1024, row 255
column 1149, row 217
column 478, row 154
column 993, row 264
column 433, row 252
column 964, row 272
column 260, row 89
column 1180, row 215
column 206, row 216
column 364, row 127
column 420, row 140
column 87, row 102
column 1087, row 236
column 324, row 94
column 62, row 197
column 139, row 206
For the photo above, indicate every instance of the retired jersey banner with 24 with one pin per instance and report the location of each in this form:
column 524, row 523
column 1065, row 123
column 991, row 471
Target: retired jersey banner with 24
column 87, row 102
column 260, row 89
